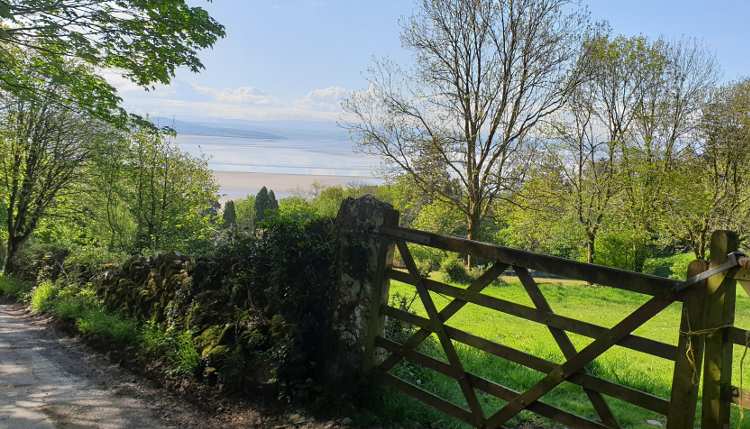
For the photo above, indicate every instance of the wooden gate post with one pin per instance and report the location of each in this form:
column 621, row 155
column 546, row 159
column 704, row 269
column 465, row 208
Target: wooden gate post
column 687, row 367
column 720, row 302
column 363, row 259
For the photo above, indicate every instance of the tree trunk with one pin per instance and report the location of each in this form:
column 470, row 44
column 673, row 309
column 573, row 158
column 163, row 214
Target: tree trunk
column 590, row 247
column 9, row 266
column 472, row 233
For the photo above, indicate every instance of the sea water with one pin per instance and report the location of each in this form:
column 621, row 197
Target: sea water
column 334, row 157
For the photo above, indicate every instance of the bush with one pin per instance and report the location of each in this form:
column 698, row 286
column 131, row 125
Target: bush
column 428, row 259
column 455, row 269
column 85, row 263
column 154, row 340
column 13, row 288
column 37, row 262
column 42, row 297
column 184, row 357
column 674, row 266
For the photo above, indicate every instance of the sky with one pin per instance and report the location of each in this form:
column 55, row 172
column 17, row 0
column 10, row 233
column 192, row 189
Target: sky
column 296, row 59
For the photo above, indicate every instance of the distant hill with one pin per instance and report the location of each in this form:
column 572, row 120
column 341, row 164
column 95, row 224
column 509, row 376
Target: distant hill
column 194, row 128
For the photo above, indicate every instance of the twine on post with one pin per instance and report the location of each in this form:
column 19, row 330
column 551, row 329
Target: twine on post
column 690, row 351
column 690, row 355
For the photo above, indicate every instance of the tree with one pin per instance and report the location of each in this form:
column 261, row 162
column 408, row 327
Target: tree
column 587, row 165
column 245, row 209
column 709, row 187
column 170, row 194
column 594, row 140
column 229, row 216
column 44, row 146
column 145, row 41
column 272, row 203
column 667, row 117
column 487, row 72
column 261, row 205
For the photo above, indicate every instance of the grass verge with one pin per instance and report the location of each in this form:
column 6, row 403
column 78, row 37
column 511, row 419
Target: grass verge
column 81, row 310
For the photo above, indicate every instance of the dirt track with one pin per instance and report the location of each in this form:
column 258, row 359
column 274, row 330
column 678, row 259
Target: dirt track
column 49, row 380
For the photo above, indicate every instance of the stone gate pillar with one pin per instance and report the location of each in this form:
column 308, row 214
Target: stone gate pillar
column 362, row 286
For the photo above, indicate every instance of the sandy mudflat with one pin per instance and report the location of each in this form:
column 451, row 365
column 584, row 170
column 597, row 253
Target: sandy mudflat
column 236, row 184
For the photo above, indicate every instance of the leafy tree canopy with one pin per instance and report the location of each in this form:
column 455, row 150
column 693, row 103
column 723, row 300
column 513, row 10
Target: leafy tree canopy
column 144, row 40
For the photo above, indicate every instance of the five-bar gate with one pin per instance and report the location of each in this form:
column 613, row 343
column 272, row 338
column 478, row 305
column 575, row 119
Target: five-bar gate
column 706, row 329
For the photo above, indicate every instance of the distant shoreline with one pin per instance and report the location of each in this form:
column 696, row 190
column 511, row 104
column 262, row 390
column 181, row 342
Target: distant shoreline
column 238, row 184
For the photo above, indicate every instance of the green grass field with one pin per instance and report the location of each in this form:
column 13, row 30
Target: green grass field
column 596, row 304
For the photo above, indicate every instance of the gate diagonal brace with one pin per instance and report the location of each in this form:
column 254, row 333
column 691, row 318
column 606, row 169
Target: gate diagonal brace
column 565, row 344
column 450, row 351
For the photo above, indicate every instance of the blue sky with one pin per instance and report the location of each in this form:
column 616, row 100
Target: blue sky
column 295, row 59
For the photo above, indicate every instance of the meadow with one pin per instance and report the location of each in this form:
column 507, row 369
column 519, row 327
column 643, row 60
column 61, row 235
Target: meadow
column 604, row 306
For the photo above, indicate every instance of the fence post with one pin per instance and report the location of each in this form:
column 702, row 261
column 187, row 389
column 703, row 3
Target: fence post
column 363, row 258
column 720, row 302
column 687, row 367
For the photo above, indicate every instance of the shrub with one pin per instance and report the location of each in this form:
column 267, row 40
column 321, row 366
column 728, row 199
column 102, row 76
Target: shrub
column 13, row 288
column 674, row 266
column 37, row 262
column 42, row 296
column 84, row 263
column 154, row 340
column 184, row 357
column 428, row 259
column 455, row 269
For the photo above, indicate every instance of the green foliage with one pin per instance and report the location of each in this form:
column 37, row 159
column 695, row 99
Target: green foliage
column 83, row 263
column 539, row 222
column 441, row 217
column 42, row 296
column 154, row 340
column 144, row 41
column 245, row 210
column 38, row 261
column 184, row 357
column 96, row 322
column 170, row 195
column 297, row 210
column 272, row 203
column 674, row 266
column 455, row 269
column 79, row 306
column 263, row 205
column 626, row 249
column 13, row 288
column 229, row 216
column 427, row 258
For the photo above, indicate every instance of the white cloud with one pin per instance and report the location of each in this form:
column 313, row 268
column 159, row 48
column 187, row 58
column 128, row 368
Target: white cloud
column 245, row 102
column 326, row 99
column 240, row 95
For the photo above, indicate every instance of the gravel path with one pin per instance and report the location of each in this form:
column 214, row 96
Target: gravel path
column 46, row 383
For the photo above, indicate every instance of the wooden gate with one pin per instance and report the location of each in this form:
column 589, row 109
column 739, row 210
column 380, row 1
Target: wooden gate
column 708, row 315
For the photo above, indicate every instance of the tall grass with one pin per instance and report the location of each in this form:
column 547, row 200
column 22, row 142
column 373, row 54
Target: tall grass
column 79, row 306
